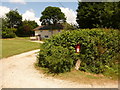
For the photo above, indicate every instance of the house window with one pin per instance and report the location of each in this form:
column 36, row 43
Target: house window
column 46, row 36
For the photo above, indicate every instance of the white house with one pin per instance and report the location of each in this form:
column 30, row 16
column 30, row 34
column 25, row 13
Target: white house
column 47, row 31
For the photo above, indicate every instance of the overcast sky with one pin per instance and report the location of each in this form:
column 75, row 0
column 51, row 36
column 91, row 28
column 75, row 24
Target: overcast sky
column 32, row 10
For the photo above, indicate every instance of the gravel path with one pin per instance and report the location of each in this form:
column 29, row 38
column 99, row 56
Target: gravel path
column 18, row 72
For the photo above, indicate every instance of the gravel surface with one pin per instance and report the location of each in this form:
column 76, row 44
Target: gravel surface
column 19, row 72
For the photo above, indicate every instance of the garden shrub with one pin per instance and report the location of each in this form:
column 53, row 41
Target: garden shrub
column 99, row 49
column 8, row 32
column 57, row 59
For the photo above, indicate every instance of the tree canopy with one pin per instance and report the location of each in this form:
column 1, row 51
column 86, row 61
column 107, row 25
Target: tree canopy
column 13, row 25
column 26, row 28
column 6, row 32
column 14, row 18
column 52, row 16
column 98, row 15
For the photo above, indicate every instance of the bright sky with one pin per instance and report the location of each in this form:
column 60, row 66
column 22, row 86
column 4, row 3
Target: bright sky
column 32, row 10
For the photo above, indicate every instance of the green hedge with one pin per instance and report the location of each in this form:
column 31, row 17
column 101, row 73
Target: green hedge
column 57, row 59
column 99, row 51
column 8, row 32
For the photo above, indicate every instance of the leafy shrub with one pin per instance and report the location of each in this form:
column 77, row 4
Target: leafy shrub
column 99, row 49
column 57, row 59
column 8, row 32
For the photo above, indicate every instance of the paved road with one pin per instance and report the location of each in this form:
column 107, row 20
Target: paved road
column 18, row 72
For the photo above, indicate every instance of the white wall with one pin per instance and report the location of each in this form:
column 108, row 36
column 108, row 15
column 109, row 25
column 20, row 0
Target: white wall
column 48, row 33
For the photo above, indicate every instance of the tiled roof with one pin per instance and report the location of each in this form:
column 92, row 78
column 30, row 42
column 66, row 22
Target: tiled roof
column 49, row 27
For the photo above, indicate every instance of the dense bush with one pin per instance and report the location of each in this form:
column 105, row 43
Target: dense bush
column 57, row 59
column 99, row 50
column 8, row 32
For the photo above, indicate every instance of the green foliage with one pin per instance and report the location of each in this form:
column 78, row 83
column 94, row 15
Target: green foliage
column 26, row 28
column 99, row 49
column 8, row 32
column 3, row 23
column 57, row 59
column 68, row 26
column 52, row 15
column 98, row 14
column 14, row 18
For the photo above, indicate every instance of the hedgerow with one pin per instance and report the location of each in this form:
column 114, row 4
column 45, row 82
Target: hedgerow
column 8, row 32
column 98, row 54
column 57, row 59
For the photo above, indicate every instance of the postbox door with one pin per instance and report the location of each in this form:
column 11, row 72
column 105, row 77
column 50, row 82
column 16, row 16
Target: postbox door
column 77, row 48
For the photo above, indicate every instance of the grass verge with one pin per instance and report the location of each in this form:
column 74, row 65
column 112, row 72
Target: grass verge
column 78, row 76
column 17, row 45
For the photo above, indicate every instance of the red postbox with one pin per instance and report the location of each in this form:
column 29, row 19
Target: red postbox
column 77, row 47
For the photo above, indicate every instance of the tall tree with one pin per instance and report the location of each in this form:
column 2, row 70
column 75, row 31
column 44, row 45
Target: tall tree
column 116, row 16
column 98, row 14
column 26, row 28
column 52, row 16
column 6, row 32
column 88, row 14
column 3, row 23
column 14, row 18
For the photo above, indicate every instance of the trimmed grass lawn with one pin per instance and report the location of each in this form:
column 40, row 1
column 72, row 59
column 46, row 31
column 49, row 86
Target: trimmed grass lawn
column 17, row 45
